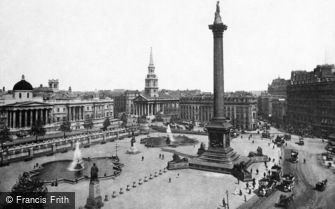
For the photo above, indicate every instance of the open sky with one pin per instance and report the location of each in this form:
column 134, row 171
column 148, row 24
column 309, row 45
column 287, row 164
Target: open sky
column 105, row 44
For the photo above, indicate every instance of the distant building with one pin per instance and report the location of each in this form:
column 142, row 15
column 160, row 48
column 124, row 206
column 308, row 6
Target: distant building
column 278, row 87
column 124, row 103
column 311, row 101
column 240, row 108
column 272, row 104
column 152, row 102
column 22, row 108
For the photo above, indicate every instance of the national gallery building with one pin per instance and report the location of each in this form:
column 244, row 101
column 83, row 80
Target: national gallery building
column 20, row 108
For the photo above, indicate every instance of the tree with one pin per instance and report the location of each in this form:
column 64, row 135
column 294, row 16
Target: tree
column 37, row 129
column 88, row 123
column 28, row 187
column 124, row 119
column 65, row 127
column 106, row 124
column 4, row 137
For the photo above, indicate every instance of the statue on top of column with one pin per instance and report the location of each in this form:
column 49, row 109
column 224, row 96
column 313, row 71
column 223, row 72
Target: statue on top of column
column 217, row 19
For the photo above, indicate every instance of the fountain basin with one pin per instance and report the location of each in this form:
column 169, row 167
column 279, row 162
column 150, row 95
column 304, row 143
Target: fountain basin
column 50, row 171
column 161, row 141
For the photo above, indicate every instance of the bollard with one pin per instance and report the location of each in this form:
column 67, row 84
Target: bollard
column 114, row 194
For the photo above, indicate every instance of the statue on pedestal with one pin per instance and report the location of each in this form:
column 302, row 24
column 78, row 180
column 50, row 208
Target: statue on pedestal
column 94, row 173
column 94, row 200
column 133, row 149
column 133, row 140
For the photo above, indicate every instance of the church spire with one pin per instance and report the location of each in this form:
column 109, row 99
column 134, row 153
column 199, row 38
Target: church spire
column 151, row 62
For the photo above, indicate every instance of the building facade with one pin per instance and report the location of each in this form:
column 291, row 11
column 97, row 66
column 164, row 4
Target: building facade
column 22, row 109
column 153, row 102
column 124, row 103
column 239, row 108
column 311, row 101
column 272, row 104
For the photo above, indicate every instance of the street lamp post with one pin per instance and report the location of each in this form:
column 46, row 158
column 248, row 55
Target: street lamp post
column 227, row 193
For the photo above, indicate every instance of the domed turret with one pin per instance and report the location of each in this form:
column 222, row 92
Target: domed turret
column 23, row 90
column 23, row 85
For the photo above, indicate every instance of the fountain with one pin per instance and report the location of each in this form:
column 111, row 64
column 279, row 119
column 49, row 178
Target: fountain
column 169, row 133
column 77, row 163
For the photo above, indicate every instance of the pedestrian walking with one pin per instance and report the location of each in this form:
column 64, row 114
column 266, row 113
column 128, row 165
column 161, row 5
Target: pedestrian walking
column 142, row 158
column 251, row 170
column 224, row 202
column 169, row 180
column 264, row 174
column 160, row 156
column 245, row 198
column 247, row 185
column 257, row 171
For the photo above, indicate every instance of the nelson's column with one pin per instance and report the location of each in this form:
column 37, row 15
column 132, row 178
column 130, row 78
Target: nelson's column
column 219, row 157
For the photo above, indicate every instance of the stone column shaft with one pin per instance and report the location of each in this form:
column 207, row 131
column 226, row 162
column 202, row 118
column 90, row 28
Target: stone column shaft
column 25, row 118
column 14, row 119
column 218, row 70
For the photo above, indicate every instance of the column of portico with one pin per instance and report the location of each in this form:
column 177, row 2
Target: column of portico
column 45, row 116
column 75, row 113
column 20, row 118
column 31, row 117
column 25, row 118
column 14, row 119
column 9, row 119
column 148, row 109
column 70, row 113
column 40, row 116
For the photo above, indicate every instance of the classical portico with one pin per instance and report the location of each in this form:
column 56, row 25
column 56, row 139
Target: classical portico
column 75, row 112
column 24, row 114
column 151, row 106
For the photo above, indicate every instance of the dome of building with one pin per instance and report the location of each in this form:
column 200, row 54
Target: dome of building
column 22, row 85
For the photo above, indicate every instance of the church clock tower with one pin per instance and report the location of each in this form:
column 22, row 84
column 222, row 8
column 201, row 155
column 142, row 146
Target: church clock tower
column 151, row 81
